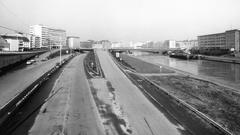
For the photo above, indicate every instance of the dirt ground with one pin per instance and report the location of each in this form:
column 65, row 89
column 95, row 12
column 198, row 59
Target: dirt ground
column 113, row 117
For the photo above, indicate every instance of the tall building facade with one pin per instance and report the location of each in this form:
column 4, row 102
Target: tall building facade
column 34, row 41
column 169, row 44
column 48, row 37
column 227, row 40
column 41, row 32
column 187, row 44
column 57, row 37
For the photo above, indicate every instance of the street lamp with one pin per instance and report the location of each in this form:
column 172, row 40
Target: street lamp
column 60, row 50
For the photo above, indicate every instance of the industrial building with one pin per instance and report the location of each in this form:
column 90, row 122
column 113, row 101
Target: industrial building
column 73, row 42
column 227, row 40
column 49, row 37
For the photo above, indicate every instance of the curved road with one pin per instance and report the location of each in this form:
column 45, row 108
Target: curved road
column 143, row 116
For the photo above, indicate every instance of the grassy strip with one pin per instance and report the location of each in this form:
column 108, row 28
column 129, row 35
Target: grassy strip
column 91, row 66
column 173, row 110
column 219, row 103
column 143, row 67
column 216, row 101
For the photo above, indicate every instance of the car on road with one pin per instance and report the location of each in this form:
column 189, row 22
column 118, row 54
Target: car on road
column 28, row 62
column 32, row 60
column 44, row 59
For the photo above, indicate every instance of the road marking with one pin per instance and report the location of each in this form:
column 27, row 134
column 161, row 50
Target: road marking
column 148, row 125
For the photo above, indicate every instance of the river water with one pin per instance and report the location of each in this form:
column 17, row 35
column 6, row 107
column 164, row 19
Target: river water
column 225, row 73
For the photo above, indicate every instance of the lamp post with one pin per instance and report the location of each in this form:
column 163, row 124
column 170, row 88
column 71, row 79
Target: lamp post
column 60, row 51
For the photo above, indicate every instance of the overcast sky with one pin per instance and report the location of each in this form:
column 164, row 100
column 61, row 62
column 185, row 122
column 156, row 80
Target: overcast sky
column 124, row 20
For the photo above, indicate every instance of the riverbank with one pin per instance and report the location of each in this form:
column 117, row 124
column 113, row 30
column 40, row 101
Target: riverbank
column 219, row 103
column 221, row 73
column 221, row 59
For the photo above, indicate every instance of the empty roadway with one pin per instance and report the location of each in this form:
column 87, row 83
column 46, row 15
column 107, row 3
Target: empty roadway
column 143, row 116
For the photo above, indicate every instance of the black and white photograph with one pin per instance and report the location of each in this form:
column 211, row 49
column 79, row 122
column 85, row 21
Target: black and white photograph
column 119, row 67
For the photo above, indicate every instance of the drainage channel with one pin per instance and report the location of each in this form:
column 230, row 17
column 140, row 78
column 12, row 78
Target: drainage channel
column 22, row 118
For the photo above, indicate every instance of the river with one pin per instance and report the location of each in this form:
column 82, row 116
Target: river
column 224, row 73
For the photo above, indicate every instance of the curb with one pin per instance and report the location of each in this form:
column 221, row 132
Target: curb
column 14, row 103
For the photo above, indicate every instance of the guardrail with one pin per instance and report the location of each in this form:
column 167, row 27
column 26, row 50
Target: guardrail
column 19, row 53
column 221, row 59
column 13, row 104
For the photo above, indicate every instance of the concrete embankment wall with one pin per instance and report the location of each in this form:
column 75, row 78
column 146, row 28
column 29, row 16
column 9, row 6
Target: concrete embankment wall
column 7, row 59
column 221, row 59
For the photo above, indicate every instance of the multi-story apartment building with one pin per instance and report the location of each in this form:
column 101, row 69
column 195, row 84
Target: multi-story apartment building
column 34, row 41
column 227, row 40
column 41, row 32
column 4, row 45
column 49, row 37
column 17, row 42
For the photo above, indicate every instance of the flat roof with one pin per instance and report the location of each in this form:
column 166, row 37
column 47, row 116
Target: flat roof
column 211, row 34
column 25, row 39
column 56, row 29
column 72, row 37
column 218, row 33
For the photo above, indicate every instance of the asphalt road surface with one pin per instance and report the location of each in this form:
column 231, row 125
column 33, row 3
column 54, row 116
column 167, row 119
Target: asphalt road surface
column 71, row 110
column 143, row 116
column 16, row 81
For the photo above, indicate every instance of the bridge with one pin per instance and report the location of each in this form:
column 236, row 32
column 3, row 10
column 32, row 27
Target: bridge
column 152, row 50
column 83, row 49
